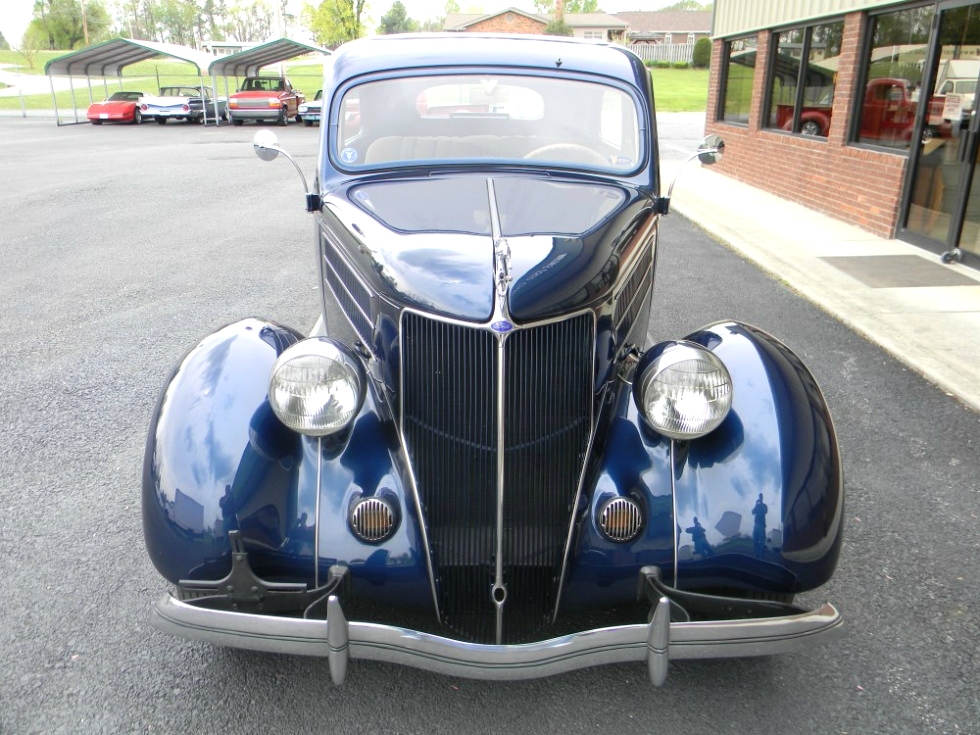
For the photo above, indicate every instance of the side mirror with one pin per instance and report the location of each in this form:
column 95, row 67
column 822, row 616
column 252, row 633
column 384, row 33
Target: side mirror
column 266, row 145
column 711, row 149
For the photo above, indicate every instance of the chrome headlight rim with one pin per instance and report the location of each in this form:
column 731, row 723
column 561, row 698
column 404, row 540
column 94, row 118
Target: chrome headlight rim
column 665, row 370
column 325, row 354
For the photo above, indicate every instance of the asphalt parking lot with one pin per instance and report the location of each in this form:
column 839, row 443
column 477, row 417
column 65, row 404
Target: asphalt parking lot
column 122, row 245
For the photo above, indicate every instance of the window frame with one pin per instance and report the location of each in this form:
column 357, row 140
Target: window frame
column 863, row 68
column 799, row 98
column 726, row 61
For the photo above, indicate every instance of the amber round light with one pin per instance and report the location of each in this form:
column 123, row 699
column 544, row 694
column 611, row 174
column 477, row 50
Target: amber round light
column 621, row 519
column 372, row 520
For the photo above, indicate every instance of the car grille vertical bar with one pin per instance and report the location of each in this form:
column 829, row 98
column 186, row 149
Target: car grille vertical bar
column 450, row 428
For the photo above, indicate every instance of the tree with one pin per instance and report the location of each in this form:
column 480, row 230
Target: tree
column 33, row 40
column 61, row 21
column 451, row 7
column 558, row 27
column 547, row 7
column 396, row 20
column 249, row 21
column 3, row 42
column 692, row 5
column 701, row 57
column 334, row 22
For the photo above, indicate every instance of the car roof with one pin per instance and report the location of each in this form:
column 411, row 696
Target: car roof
column 441, row 50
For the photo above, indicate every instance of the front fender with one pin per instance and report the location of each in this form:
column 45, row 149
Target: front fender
column 756, row 505
column 217, row 459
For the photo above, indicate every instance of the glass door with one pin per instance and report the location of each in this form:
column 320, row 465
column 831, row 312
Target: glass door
column 942, row 204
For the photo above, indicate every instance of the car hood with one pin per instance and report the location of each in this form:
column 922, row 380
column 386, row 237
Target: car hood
column 430, row 242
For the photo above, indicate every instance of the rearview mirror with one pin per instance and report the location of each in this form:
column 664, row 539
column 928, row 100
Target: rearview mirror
column 711, row 149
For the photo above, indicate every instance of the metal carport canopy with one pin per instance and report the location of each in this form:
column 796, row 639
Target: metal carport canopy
column 110, row 57
column 247, row 63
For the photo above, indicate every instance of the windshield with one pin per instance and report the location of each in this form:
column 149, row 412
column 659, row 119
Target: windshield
column 488, row 118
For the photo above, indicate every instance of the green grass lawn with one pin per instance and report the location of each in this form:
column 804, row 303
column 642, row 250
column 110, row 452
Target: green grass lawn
column 680, row 90
column 676, row 90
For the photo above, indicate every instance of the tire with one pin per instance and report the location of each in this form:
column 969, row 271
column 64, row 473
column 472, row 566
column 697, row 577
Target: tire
column 811, row 127
column 96, row 122
column 282, row 119
column 137, row 117
column 236, row 121
column 308, row 123
column 161, row 120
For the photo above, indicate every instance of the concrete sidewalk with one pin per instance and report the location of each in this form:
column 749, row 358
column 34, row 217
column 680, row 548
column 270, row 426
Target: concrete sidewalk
column 899, row 296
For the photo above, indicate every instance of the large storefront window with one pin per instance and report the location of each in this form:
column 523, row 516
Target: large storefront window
column 739, row 76
column 892, row 70
column 803, row 76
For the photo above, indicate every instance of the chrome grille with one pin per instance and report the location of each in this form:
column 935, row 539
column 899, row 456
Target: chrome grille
column 630, row 299
column 353, row 298
column 451, row 431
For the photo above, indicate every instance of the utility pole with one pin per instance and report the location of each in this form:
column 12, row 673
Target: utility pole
column 84, row 23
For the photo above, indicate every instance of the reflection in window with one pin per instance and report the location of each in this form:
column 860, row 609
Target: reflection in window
column 892, row 71
column 803, row 78
column 739, row 76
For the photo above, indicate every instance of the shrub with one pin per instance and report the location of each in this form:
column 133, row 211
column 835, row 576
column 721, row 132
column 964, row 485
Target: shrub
column 662, row 65
column 680, row 65
column 558, row 28
column 702, row 54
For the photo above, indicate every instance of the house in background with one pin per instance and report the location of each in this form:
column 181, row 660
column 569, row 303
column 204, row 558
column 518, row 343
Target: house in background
column 510, row 20
column 666, row 26
column 597, row 26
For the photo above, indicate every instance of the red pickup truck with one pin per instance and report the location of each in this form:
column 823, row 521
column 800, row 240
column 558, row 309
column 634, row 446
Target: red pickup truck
column 265, row 98
column 888, row 113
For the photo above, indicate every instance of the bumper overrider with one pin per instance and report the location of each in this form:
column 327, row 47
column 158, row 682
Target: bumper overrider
column 748, row 628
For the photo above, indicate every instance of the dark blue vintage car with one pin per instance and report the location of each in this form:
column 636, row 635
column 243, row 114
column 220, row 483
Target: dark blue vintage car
column 476, row 464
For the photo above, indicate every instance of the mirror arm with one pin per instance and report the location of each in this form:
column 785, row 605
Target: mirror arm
column 663, row 203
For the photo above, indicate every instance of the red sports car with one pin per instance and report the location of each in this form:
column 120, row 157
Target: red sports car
column 120, row 107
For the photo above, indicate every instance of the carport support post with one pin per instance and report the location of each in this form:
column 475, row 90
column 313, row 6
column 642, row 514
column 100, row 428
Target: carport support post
column 74, row 105
column 214, row 91
column 54, row 99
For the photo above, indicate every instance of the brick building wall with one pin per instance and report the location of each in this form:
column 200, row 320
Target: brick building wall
column 508, row 23
column 858, row 185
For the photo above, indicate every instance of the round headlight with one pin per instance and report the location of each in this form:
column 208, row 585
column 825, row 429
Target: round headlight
column 685, row 392
column 316, row 387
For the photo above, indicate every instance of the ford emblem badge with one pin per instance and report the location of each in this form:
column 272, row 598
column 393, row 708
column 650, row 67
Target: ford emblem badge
column 501, row 327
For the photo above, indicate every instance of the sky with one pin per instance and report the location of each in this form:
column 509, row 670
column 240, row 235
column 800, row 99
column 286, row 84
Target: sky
column 16, row 14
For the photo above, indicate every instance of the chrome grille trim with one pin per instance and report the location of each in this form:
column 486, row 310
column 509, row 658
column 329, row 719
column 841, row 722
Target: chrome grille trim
column 350, row 291
column 630, row 298
column 457, row 467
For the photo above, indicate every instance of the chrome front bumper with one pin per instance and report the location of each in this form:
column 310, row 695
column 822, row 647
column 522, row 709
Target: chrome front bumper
column 656, row 642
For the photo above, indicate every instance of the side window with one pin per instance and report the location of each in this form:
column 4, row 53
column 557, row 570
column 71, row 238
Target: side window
column 739, row 78
column 803, row 77
column 894, row 59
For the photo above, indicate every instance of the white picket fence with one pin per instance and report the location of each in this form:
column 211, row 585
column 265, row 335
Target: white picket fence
column 670, row 52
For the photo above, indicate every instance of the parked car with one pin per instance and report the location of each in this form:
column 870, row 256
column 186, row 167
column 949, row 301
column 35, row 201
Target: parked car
column 184, row 103
column 477, row 454
column 117, row 107
column 265, row 98
column 309, row 112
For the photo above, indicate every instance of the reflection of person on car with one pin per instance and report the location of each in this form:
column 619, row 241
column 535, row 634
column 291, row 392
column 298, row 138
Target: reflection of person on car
column 759, row 530
column 699, row 535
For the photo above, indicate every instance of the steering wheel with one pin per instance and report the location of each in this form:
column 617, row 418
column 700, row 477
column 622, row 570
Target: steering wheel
column 567, row 153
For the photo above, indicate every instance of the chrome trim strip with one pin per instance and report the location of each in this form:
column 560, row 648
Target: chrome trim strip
column 672, row 450
column 498, row 593
column 413, row 481
column 619, row 644
column 641, row 293
column 578, row 491
column 316, row 529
